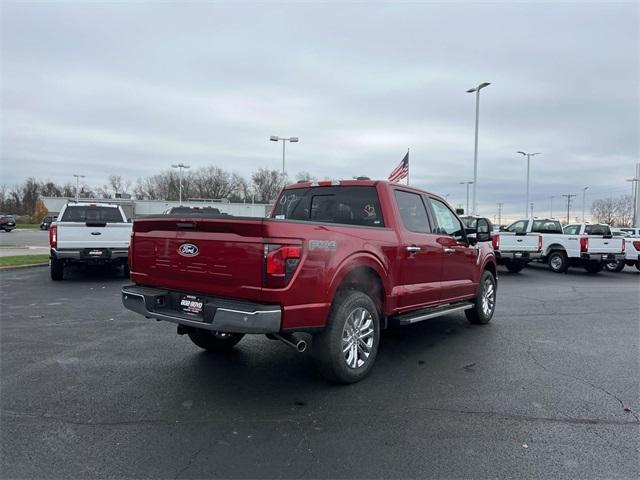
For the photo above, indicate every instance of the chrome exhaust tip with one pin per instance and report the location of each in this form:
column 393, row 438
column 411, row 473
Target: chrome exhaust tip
column 292, row 341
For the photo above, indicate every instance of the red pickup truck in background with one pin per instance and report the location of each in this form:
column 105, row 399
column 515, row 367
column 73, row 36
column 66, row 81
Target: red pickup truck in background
column 338, row 260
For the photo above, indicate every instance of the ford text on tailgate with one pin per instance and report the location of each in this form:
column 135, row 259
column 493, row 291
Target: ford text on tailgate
column 335, row 262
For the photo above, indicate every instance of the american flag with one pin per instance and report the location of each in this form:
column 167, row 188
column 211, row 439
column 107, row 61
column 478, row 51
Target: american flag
column 401, row 171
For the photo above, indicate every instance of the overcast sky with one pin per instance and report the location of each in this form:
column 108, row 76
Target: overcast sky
column 129, row 88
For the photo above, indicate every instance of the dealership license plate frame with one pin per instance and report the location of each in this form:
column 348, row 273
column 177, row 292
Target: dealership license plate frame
column 195, row 305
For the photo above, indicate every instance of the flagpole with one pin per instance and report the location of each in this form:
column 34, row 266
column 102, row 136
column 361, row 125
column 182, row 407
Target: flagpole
column 408, row 169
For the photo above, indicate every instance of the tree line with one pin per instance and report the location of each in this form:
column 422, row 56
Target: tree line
column 210, row 182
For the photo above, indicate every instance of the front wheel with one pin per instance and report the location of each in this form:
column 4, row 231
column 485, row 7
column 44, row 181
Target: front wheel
column 593, row 267
column 346, row 350
column 214, row 341
column 485, row 303
column 614, row 266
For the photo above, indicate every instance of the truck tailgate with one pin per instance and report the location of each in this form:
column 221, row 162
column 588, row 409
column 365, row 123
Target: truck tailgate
column 206, row 255
column 605, row 245
column 519, row 243
column 79, row 235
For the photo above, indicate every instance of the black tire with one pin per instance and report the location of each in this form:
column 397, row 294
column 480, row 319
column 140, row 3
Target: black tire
column 558, row 261
column 214, row 341
column 614, row 266
column 482, row 313
column 593, row 267
column 57, row 270
column 638, row 265
column 351, row 311
column 515, row 267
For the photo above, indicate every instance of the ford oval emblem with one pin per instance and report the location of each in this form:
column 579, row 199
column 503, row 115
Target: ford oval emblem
column 188, row 250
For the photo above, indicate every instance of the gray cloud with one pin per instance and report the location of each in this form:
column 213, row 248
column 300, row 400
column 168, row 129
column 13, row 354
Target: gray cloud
column 130, row 88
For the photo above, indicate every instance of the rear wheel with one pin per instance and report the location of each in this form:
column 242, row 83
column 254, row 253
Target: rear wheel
column 558, row 261
column 57, row 269
column 346, row 350
column 485, row 302
column 214, row 341
column 514, row 267
column 593, row 267
column 614, row 266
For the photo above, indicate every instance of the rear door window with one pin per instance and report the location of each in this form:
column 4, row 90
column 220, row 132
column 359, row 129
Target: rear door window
column 87, row 213
column 356, row 205
column 412, row 211
column 546, row 226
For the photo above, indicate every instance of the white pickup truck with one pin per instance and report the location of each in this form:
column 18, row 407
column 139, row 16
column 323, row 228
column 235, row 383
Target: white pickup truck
column 89, row 233
column 515, row 250
column 580, row 245
column 632, row 254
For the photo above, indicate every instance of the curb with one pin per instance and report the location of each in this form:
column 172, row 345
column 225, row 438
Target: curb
column 15, row 267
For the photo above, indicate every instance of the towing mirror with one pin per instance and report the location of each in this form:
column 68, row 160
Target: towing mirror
column 483, row 231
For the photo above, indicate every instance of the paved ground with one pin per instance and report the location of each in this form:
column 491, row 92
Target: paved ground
column 24, row 242
column 90, row 390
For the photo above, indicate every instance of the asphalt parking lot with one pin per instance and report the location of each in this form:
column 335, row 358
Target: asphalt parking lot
column 91, row 390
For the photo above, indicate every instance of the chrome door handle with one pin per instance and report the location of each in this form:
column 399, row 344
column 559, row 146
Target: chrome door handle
column 449, row 250
column 413, row 249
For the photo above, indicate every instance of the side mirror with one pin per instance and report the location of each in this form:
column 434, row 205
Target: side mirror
column 459, row 211
column 483, row 230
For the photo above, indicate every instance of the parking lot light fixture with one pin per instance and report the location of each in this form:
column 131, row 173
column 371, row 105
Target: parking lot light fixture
column 78, row 177
column 274, row 138
column 476, row 90
column 180, row 166
column 528, row 155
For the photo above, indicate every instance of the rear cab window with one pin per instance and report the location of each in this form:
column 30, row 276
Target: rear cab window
column 88, row 213
column 347, row 205
column 597, row 230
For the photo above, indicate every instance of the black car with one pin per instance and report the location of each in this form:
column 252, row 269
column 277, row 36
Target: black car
column 46, row 222
column 7, row 222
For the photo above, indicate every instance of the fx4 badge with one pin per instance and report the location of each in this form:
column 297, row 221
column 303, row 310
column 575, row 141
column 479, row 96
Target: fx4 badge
column 322, row 244
column 188, row 250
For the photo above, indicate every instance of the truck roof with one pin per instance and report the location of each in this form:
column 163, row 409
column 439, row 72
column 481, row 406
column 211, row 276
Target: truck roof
column 356, row 183
column 91, row 204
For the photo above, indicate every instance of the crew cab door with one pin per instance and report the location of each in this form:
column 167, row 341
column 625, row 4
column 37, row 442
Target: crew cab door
column 459, row 267
column 420, row 254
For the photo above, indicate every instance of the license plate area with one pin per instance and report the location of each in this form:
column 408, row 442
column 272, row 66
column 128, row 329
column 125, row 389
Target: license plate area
column 96, row 253
column 191, row 304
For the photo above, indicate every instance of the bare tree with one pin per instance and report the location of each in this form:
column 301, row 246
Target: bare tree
column 118, row 185
column 267, row 184
column 624, row 209
column 305, row 177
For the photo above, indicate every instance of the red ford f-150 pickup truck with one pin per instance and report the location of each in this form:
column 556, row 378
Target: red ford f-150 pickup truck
column 338, row 260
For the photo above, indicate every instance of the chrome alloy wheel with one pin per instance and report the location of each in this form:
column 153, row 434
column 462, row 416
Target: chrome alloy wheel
column 488, row 297
column 357, row 338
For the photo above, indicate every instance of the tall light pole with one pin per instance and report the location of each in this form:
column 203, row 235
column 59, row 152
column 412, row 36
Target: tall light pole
column 180, row 166
column 476, row 90
column 500, row 204
column 531, row 209
column 584, row 198
column 284, row 140
column 467, row 183
column 528, row 155
column 78, row 177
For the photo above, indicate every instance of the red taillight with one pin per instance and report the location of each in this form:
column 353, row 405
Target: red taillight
column 539, row 243
column 53, row 236
column 636, row 245
column 495, row 241
column 281, row 262
column 584, row 244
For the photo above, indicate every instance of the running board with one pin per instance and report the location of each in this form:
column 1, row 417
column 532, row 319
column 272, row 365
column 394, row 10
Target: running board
column 414, row 317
